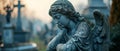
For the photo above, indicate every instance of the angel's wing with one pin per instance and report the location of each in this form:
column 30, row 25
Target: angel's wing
column 101, row 31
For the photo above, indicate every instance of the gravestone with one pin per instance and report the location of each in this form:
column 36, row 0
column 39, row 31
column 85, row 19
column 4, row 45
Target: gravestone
column 15, row 41
column 92, row 5
column 8, row 28
column 19, row 23
column 8, row 34
column 20, row 34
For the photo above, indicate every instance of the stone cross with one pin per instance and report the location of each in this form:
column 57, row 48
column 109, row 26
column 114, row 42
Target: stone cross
column 8, row 16
column 19, row 23
column 8, row 28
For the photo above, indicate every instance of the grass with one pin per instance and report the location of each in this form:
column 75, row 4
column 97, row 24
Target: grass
column 40, row 44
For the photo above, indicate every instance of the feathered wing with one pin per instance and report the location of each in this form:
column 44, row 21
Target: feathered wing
column 100, row 32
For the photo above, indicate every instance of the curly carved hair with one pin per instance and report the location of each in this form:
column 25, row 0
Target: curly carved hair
column 63, row 7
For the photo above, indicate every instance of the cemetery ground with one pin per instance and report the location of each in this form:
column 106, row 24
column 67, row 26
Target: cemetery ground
column 40, row 43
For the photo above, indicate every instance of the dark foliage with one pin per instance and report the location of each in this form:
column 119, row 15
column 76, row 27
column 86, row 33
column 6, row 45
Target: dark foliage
column 115, row 25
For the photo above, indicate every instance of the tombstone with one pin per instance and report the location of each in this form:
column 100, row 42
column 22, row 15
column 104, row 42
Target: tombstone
column 8, row 28
column 8, row 34
column 15, row 41
column 20, row 34
column 8, row 16
column 92, row 5
column 22, row 37
column 19, row 23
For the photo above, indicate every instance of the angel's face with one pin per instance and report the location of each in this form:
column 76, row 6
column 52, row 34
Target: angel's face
column 61, row 20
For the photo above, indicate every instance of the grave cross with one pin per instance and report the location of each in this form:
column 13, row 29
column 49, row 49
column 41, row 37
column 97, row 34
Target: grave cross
column 8, row 10
column 19, row 23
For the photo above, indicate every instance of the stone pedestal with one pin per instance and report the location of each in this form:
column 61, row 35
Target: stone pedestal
column 8, row 34
column 21, row 36
column 92, row 5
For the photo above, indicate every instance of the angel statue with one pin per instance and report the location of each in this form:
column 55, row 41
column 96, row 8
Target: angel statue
column 75, row 33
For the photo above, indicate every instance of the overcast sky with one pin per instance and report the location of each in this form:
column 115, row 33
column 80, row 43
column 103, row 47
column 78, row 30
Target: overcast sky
column 40, row 8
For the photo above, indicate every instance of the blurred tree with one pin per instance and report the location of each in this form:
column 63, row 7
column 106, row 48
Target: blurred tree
column 115, row 12
column 115, row 25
